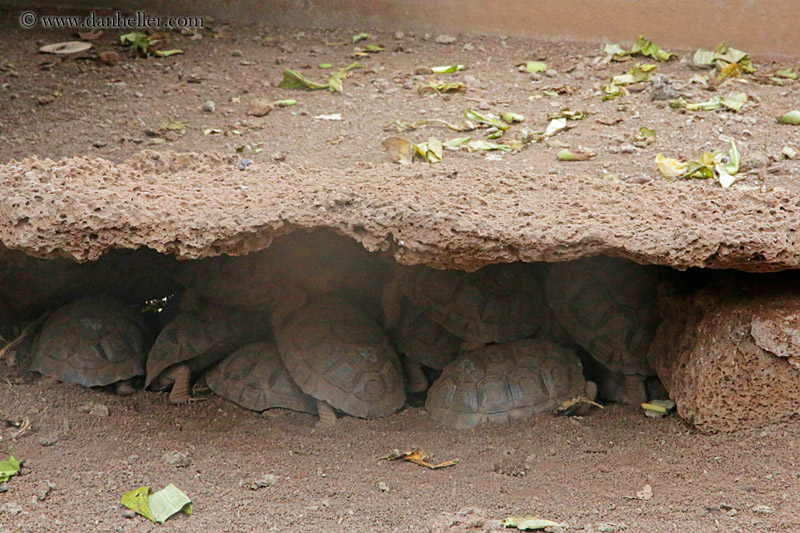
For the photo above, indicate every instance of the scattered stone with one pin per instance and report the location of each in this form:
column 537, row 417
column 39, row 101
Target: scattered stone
column 763, row 509
column 266, row 481
column 610, row 527
column 96, row 409
column 445, row 39
column 44, row 490
column 662, row 88
column 399, row 35
column 468, row 47
column 260, row 107
column 127, row 513
column 209, row 106
column 422, row 71
column 48, row 441
column 109, row 57
column 4, row 487
column 550, row 73
column 46, row 100
column 176, row 459
column 12, row 508
column 244, row 163
column 469, row 519
column 483, row 105
column 383, row 486
column 236, row 53
column 99, row 144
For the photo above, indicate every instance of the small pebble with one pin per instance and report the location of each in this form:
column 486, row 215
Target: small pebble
column 176, row 459
column 445, row 39
column 109, row 57
column 209, row 106
column 127, row 513
column 236, row 53
column 47, row 441
column 260, row 107
column 550, row 73
column 4, row 487
column 99, row 144
column 399, row 35
column 96, row 409
column 244, row 163
column 12, row 508
column 383, row 487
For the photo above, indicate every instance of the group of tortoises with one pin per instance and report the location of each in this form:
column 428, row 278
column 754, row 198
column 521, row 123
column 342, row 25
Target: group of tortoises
column 506, row 339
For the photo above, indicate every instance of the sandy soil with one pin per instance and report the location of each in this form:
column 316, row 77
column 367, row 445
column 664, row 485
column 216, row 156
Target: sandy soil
column 580, row 472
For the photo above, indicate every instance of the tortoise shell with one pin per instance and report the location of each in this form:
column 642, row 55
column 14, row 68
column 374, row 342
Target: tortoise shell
column 92, row 341
column 503, row 382
column 608, row 306
column 337, row 354
column 202, row 337
column 254, row 377
column 498, row 303
column 422, row 339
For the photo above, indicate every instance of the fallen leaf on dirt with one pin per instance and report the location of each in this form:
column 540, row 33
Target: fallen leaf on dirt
column 642, row 46
column 430, row 151
column 734, row 102
column 576, row 155
column 284, row 103
column 646, row 134
column 400, row 150
column 670, row 167
column 9, row 467
column 479, row 145
column 640, row 72
column 556, row 125
column 140, row 42
column 788, row 73
column 528, row 522
column 325, row 65
column 335, row 82
column 174, row 125
column 167, row 53
column 489, row 120
column 576, row 406
column 792, row 117
column 448, row 69
column 360, row 37
column 294, row 80
column 416, row 456
column 535, row 66
column 456, row 142
column 157, row 506
column 569, row 115
column 658, row 408
column 729, row 61
column 69, row 47
column 332, row 116
column 610, row 121
column 511, row 117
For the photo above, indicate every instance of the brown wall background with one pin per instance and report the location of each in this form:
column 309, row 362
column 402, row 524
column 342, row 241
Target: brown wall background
column 758, row 26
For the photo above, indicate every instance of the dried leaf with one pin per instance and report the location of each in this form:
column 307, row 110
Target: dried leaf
column 400, row 150
column 417, row 456
column 669, row 167
column 157, row 506
column 511, row 117
column 167, row 53
column 792, row 117
column 556, row 125
column 69, row 47
column 528, row 522
column 535, row 66
column 284, row 103
column 360, row 37
column 448, row 69
column 294, row 80
column 569, row 155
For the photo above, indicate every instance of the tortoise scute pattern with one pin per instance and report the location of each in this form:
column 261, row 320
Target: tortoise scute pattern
column 254, row 377
column 92, row 341
column 504, row 382
column 202, row 338
column 607, row 305
column 335, row 353
column 498, row 303
column 423, row 340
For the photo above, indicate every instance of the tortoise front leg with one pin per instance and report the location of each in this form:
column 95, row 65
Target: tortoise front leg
column 181, row 376
column 417, row 382
column 327, row 416
column 635, row 392
column 124, row 388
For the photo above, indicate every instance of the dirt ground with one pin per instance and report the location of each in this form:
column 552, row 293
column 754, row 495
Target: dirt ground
column 584, row 473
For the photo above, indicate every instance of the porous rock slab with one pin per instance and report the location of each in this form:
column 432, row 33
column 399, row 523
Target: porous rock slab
column 196, row 206
column 728, row 353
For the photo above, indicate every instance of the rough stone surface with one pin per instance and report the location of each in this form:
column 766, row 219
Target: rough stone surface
column 724, row 354
column 198, row 206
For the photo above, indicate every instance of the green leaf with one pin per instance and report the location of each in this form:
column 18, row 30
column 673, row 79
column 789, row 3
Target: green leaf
column 612, row 91
column 360, row 37
column 374, row 48
column 487, row 145
column 443, row 87
column 639, row 72
column 528, row 522
column 556, row 125
column 787, row 73
column 512, row 117
column 325, row 65
column 474, row 116
column 535, row 66
column 568, row 114
column 646, row 47
column 169, row 501
column 157, row 506
column 9, row 467
column 456, row 142
column 792, row 117
column 174, row 125
column 284, row 103
column 167, row 53
column 614, row 49
column 294, row 80
column 568, row 155
column 703, row 58
column 644, row 131
column 734, row 159
column 137, row 500
column 448, row 69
